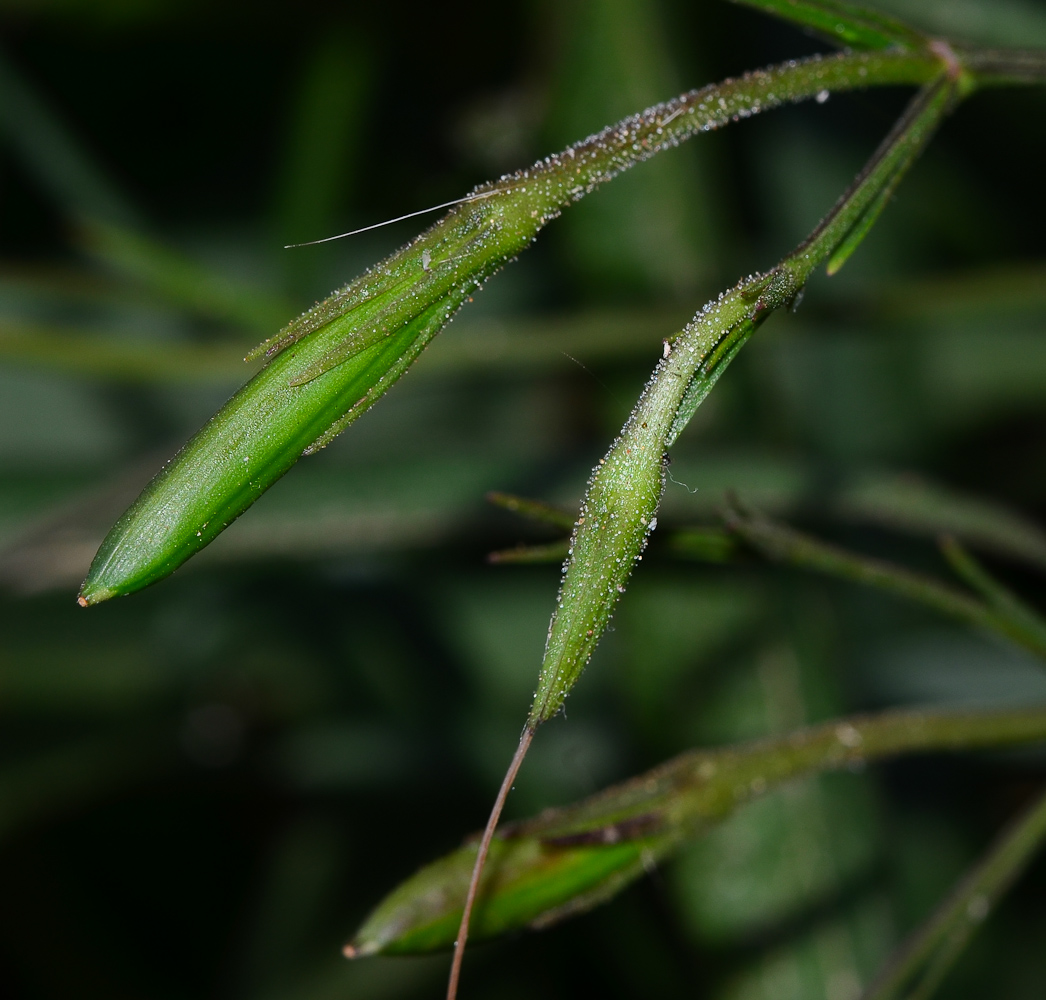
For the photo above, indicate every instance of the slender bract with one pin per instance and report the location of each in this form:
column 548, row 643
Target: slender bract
column 332, row 363
column 567, row 860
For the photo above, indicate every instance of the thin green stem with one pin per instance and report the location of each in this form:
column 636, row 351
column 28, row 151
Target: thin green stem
column 534, row 510
column 527, row 554
column 1004, row 67
column 1006, row 604
column 933, row 949
column 784, row 544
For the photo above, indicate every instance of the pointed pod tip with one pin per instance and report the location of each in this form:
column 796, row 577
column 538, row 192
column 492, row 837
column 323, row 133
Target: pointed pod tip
column 356, row 950
column 93, row 594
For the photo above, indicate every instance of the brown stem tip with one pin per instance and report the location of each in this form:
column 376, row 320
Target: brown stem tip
column 481, row 857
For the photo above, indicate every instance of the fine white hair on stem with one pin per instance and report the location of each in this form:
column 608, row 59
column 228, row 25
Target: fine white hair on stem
column 399, row 218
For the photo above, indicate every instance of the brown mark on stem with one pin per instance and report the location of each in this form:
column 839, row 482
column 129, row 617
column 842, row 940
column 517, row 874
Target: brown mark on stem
column 481, row 857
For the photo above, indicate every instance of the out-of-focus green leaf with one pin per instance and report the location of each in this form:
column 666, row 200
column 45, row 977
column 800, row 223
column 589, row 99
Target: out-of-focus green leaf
column 535, row 510
column 823, row 962
column 786, row 545
column 843, row 23
column 999, row 22
column 121, row 359
column 552, row 552
column 179, row 279
column 471, row 345
column 568, row 860
column 913, row 504
column 1017, row 287
column 53, row 157
column 657, row 228
column 781, row 856
column 324, row 143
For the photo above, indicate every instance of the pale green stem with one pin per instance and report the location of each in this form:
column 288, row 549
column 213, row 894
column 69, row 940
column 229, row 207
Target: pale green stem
column 566, row 860
column 1021, row 619
column 785, row 544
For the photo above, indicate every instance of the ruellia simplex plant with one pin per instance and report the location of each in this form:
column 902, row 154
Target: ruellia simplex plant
column 331, row 364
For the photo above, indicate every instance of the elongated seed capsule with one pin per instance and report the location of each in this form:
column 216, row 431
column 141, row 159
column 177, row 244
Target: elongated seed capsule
column 620, row 505
column 332, row 363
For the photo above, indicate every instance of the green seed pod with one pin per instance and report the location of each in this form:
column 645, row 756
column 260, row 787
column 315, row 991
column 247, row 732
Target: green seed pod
column 624, row 493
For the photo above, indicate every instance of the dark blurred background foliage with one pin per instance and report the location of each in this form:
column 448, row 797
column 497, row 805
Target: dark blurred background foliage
column 204, row 788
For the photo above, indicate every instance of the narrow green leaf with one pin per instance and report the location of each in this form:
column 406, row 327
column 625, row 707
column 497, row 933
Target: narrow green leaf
column 924, row 960
column 567, row 860
column 861, row 229
column 331, row 364
column 843, row 23
column 553, row 552
column 624, row 493
column 535, row 510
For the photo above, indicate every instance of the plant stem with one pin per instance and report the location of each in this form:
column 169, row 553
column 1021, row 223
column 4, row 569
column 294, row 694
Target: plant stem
column 1022, row 619
column 1004, row 67
column 569, row 859
column 481, row 858
column 939, row 942
column 784, row 544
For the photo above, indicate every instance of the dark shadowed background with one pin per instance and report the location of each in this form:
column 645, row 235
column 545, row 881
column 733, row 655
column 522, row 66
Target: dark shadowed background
column 205, row 787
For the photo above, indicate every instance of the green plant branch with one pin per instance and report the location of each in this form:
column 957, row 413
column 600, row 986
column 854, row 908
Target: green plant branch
column 928, row 955
column 620, row 506
column 1004, row 67
column 784, row 544
column 1001, row 599
column 567, row 860
column 551, row 552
